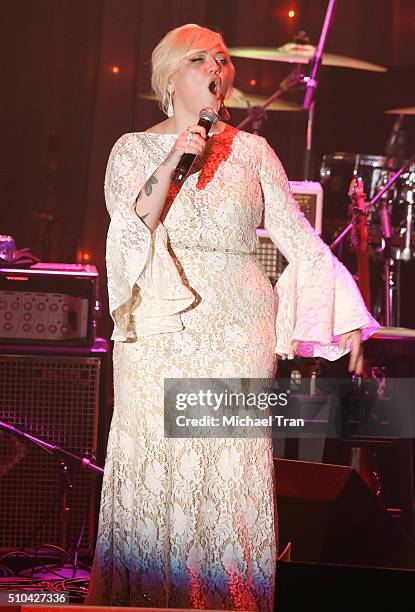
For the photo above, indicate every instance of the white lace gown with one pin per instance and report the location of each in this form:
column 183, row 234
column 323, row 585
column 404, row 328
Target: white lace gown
column 192, row 523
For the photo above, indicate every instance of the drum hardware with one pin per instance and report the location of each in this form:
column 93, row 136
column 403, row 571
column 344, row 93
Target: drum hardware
column 391, row 313
column 392, row 237
column 297, row 77
column 373, row 202
column 396, row 142
column 256, row 114
column 408, row 110
column 408, row 193
column 299, row 51
column 336, row 173
column 407, row 251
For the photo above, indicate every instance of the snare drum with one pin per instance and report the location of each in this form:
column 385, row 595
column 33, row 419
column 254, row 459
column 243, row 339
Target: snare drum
column 336, row 173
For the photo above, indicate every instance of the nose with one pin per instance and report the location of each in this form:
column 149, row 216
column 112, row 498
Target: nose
column 214, row 66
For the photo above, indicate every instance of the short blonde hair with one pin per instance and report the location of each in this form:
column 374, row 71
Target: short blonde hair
column 176, row 45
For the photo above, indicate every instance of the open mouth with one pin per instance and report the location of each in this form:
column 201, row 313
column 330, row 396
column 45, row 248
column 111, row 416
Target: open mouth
column 214, row 87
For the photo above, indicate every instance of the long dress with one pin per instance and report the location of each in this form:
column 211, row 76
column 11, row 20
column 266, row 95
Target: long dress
column 192, row 523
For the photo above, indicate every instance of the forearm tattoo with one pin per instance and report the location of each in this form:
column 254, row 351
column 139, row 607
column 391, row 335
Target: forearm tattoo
column 148, row 187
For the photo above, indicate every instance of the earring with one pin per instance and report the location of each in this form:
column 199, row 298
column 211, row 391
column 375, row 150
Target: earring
column 224, row 113
column 170, row 108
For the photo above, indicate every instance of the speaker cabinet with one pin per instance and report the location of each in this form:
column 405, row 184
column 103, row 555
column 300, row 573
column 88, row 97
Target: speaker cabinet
column 309, row 196
column 330, row 515
column 57, row 395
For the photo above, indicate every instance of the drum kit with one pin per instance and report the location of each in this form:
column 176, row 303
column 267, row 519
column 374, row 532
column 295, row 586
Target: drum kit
column 388, row 181
column 386, row 210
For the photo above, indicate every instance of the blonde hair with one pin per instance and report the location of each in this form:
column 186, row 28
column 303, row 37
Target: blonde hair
column 172, row 50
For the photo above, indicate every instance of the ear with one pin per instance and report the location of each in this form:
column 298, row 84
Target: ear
column 170, row 87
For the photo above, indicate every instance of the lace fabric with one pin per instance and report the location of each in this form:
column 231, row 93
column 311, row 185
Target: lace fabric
column 317, row 298
column 192, row 523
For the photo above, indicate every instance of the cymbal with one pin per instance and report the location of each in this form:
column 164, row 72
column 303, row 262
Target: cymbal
column 239, row 99
column 296, row 53
column 408, row 110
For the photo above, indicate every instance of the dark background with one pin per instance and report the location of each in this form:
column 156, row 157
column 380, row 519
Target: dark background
column 63, row 107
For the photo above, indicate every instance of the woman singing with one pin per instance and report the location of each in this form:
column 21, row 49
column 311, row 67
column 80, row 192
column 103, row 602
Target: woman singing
column 192, row 523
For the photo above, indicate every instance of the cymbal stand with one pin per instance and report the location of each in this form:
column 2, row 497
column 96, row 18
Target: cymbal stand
column 256, row 114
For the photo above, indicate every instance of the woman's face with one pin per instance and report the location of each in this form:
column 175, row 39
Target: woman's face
column 202, row 81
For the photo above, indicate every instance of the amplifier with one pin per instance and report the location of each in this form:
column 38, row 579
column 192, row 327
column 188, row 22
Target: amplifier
column 54, row 304
column 309, row 196
column 60, row 396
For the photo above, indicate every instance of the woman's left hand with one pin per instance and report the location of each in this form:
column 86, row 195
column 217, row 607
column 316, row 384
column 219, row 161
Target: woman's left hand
column 356, row 351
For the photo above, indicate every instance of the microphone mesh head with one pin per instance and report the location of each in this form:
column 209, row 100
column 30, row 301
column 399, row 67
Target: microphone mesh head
column 209, row 115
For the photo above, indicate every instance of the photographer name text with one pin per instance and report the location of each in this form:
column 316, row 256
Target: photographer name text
column 238, row 421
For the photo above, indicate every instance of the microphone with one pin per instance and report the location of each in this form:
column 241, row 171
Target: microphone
column 207, row 118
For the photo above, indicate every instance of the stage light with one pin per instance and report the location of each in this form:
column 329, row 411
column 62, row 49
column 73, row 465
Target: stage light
column 83, row 257
column 115, row 69
column 252, row 82
column 291, row 14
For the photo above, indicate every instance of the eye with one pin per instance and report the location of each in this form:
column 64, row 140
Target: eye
column 222, row 60
column 196, row 59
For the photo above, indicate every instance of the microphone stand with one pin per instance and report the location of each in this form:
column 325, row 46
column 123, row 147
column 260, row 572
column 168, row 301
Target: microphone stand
column 307, row 169
column 62, row 456
column 52, row 449
column 311, row 87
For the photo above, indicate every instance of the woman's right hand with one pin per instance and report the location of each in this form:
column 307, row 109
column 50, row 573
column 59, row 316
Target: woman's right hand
column 185, row 144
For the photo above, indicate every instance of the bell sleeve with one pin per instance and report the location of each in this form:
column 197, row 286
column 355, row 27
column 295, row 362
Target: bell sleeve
column 144, row 285
column 316, row 297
